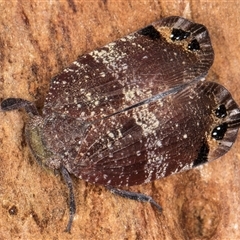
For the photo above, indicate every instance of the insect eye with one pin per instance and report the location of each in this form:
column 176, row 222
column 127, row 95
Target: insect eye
column 178, row 34
column 221, row 111
column 219, row 131
column 194, row 45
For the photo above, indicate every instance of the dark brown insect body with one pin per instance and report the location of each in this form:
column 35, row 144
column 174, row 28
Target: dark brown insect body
column 135, row 110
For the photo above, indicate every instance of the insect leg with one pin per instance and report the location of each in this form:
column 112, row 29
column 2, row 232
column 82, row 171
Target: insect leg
column 72, row 204
column 10, row 104
column 135, row 196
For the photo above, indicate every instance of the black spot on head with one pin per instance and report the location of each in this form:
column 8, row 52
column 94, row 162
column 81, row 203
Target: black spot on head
column 218, row 132
column 202, row 155
column 179, row 34
column 221, row 111
column 150, row 31
column 194, row 45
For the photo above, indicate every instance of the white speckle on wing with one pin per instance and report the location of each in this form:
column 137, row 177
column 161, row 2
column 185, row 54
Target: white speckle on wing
column 146, row 119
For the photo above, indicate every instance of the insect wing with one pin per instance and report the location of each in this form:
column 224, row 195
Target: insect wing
column 153, row 140
column 153, row 60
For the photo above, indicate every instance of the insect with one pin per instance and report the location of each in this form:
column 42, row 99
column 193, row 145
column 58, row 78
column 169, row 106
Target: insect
column 133, row 111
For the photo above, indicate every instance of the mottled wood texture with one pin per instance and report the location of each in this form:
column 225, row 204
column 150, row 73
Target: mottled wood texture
column 38, row 39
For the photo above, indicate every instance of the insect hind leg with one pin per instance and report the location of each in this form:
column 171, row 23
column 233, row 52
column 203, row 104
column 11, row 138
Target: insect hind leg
column 72, row 204
column 134, row 196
